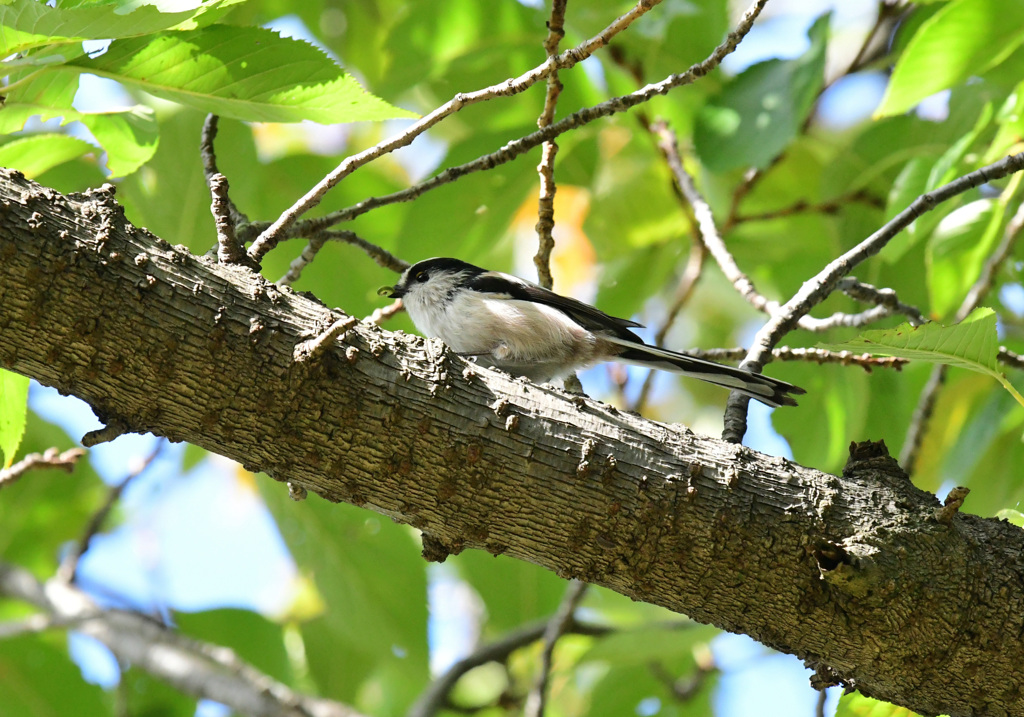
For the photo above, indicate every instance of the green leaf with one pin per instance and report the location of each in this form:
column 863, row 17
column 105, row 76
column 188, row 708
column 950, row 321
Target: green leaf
column 37, row 677
column 13, row 412
column 650, row 644
column 37, row 153
column 964, row 38
column 254, row 638
column 855, row 704
column 147, row 696
column 972, row 344
column 760, row 112
column 247, row 73
column 26, row 24
column 1012, row 516
column 961, row 245
column 130, row 138
column 371, row 642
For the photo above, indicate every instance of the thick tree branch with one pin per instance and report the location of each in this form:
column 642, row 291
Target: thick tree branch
column 854, row 574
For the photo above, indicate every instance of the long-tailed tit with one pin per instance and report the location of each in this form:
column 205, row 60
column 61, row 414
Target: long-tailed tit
column 519, row 327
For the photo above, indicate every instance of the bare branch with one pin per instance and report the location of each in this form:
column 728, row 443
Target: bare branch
column 819, row 356
column 546, row 168
column 379, row 316
column 555, row 629
column 269, row 238
column 381, row 256
column 819, row 287
column 51, row 458
column 436, row 695
column 225, row 214
column 519, row 146
column 68, row 569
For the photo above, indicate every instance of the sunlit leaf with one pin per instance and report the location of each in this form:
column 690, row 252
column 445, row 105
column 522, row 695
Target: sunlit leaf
column 964, row 38
column 26, row 24
column 35, row 154
column 248, row 73
column 972, row 344
column 13, row 411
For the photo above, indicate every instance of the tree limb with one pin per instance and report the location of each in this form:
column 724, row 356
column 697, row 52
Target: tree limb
column 852, row 573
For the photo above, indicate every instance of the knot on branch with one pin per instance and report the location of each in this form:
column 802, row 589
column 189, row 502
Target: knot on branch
column 873, row 457
column 853, row 574
column 951, row 505
column 436, row 551
column 825, row 676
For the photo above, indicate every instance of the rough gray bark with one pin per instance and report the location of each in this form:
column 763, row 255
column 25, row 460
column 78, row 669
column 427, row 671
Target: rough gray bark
column 860, row 575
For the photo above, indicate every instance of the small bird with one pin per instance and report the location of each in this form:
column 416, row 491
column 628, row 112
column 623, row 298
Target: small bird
column 519, row 327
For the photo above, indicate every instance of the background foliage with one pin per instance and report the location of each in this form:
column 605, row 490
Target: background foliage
column 818, row 130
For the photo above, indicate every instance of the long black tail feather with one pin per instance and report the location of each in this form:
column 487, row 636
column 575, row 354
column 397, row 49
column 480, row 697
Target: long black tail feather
column 767, row 390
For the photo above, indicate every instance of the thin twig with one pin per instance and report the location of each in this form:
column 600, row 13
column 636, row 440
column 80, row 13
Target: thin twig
column 379, row 316
column 867, row 293
column 712, row 239
column 67, row 572
column 555, row 629
column 311, row 350
column 930, row 393
column 802, row 206
column 436, row 695
column 812, row 355
column 269, row 238
column 382, row 257
column 814, row 291
column 51, row 458
column 684, row 290
column 519, row 146
column 546, row 168
column 225, row 214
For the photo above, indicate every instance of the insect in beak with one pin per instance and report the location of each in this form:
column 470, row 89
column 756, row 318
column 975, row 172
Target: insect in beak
column 387, row 291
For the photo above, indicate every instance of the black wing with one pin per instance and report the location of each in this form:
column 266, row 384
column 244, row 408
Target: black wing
column 511, row 287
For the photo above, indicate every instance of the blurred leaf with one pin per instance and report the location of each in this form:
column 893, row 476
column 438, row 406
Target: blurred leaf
column 248, row 73
column 129, row 137
column 1011, row 516
column 760, row 112
column 964, row 38
column 370, row 646
column 957, row 251
column 642, row 646
column 13, row 409
column 836, row 395
column 514, row 592
column 622, row 690
column 146, row 696
column 37, row 677
column 255, row 639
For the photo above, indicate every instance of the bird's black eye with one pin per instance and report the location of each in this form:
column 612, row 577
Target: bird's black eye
column 421, row 276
